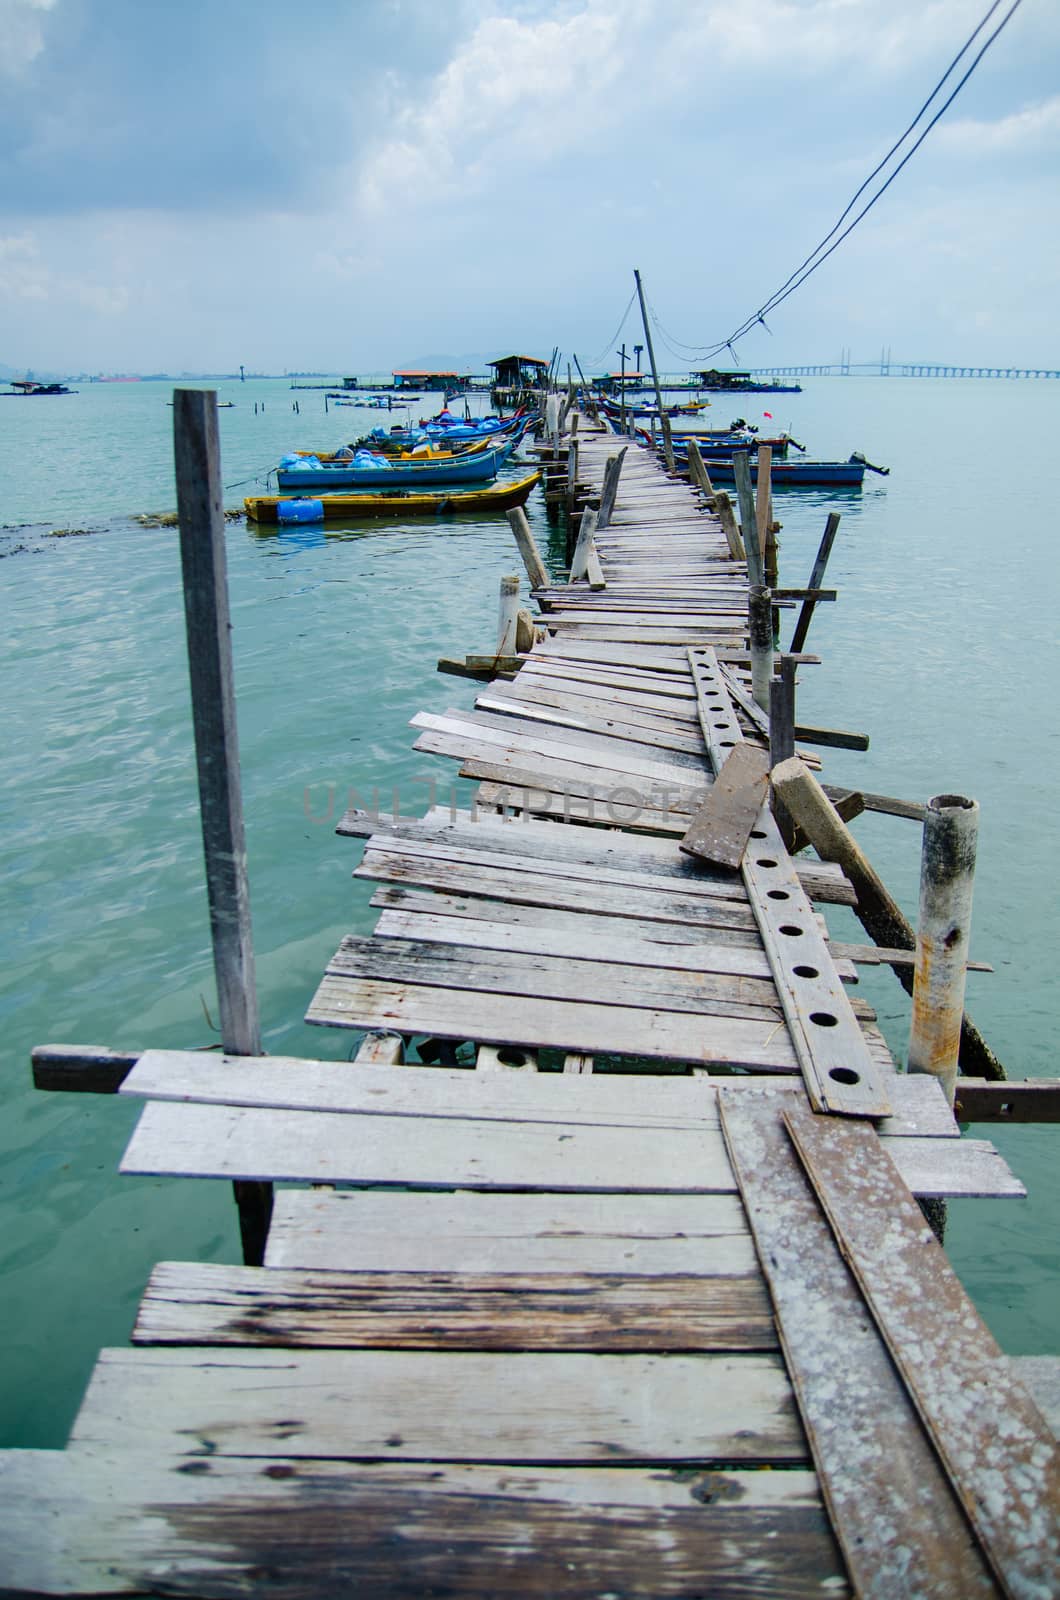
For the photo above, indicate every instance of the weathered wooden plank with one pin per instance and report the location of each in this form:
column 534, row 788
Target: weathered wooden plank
column 729, row 909
column 89, row 1069
column 616, row 769
column 471, row 732
column 552, row 977
column 189, row 1303
column 456, row 1152
column 721, row 825
column 608, row 944
column 575, row 854
column 1041, row 1375
column 503, row 720
column 714, row 631
column 199, row 1140
column 577, row 1409
column 996, row 1447
column 81, row 1523
column 892, row 1508
column 596, row 716
column 1014, row 1100
column 403, row 1231
column 575, row 892
column 583, row 923
column 563, row 1025
column 839, row 1071
column 292, row 1083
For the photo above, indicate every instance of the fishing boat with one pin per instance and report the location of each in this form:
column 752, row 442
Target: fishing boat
column 648, row 408
column 799, row 474
column 403, row 442
column 293, row 509
column 740, row 383
column 366, row 471
column 30, row 386
column 429, row 450
column 712, row 446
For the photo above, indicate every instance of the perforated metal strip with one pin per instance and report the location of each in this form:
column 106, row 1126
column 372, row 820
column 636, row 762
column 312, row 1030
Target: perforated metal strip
column 840, row 1074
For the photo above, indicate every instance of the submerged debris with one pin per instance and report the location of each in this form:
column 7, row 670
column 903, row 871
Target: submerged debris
column 168, row 519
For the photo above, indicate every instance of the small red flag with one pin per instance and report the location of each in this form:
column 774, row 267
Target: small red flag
column 768, row 414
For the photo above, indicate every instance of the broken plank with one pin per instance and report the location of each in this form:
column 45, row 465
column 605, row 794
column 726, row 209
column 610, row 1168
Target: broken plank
column 552, row 977
column 838, row 1069
column 721, row 825
column 565, row 1025
column 621, row 1100
column 1014, row 1100
column 893, row 1511
column 993, row 1441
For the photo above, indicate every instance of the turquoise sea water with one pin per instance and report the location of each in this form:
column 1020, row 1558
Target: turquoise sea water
column 942, row 647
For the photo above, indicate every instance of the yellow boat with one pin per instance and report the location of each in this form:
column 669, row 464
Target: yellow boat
column 293, row 509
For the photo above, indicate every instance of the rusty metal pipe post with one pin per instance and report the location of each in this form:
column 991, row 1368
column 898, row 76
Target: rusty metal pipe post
column 947, row 869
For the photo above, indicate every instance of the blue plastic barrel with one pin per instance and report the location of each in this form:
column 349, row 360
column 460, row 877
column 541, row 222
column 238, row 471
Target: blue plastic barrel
column 300, row 510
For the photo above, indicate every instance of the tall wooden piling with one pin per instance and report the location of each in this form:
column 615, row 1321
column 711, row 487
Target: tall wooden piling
column 664, row 421
column 760, row 629
column 536, row 570
column 200, row 509
column 748, row 516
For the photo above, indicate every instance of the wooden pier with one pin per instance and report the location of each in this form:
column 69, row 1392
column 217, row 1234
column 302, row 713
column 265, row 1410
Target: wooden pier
column 630, row 1295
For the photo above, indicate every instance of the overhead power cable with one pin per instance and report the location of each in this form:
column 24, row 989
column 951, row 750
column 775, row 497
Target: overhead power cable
column 599, row 360
column 819, row 255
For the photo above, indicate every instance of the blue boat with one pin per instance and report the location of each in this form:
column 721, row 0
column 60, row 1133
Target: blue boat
column 366, row 471
column 796, row 474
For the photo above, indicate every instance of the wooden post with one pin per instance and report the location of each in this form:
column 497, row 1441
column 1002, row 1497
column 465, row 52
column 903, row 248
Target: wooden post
column 536, row 570
column 697, row 469
column 572, row 475
column 580, row 560
column 767, row 542
column 782, row 737
column 760, row 629
column 200, row 511
column 879, row 913
column 668, row 444
column 509, row 615
column 802, row 626
column 947, row 868
column 609, row 493
column 748, row 516
column 782, row 713
column 727, row 518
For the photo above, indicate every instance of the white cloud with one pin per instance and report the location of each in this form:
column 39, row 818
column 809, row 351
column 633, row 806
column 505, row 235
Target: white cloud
column 22, row 33
column 1035, row 127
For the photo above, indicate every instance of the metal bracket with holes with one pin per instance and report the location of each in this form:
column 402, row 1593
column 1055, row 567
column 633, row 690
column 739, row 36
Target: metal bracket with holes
column 840, row 1074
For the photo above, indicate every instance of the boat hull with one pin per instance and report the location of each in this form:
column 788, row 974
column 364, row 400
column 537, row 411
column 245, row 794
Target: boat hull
column 349, row 507
column 795, row 474
column 474, row 468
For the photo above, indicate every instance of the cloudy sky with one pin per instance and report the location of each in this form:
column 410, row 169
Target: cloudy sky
column 349, row 185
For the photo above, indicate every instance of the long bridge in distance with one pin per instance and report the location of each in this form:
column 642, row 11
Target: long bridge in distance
column 886, row 368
